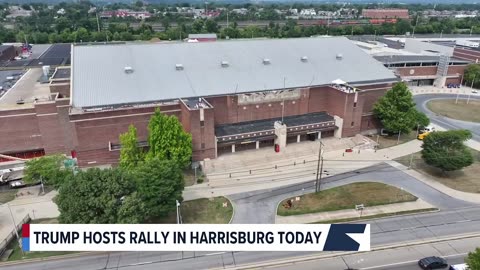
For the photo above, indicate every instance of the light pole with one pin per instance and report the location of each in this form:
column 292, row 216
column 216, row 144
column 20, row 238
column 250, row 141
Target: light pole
column 15, row 229
column 470, row 93
column 178, row 211
column 458, row 92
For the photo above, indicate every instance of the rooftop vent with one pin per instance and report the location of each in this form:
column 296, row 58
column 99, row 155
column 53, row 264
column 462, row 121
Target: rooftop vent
column 266, row 61
column 224, row 64
column 179, row 67
column 304, row 59
column 128, row 70
column 339, row 56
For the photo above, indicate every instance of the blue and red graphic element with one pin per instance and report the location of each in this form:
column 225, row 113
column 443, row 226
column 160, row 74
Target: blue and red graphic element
column 26, row 237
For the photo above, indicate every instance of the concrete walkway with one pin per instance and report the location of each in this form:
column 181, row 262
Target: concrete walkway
column 352, row 213
column 33, row 205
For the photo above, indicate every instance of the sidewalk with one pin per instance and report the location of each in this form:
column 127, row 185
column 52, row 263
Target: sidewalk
column 420, row 90
column 292, row 170
column 352, row 213
column 35, row 206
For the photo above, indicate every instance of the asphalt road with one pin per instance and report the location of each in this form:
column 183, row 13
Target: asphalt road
column 260, row 206
column 445, row 122
column 458, row 217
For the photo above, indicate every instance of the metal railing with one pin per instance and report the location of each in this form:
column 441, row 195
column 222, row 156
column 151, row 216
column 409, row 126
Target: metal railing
column 13, row 234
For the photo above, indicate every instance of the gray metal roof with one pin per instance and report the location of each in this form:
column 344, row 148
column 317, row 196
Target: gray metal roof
column 99, row 76
column 202, row 35
column 398, row 59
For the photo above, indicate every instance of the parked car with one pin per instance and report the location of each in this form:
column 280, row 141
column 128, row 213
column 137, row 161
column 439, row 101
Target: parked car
column 433, row 262
column 474, row 91
column 17, row 184
column 462, row 266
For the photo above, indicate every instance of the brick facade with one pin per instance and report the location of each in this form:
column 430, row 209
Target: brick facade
column 57, row 128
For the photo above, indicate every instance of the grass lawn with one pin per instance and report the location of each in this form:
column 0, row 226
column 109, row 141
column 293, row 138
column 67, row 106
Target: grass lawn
column 7, row 195
column 389, row 141
column 17, row 253
column 202, row 211
column 467, row 180
column 346, row 197
column 461, row 111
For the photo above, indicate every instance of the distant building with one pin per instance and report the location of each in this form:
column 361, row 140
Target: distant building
column 17, row 11
column 308, row 12
column 201, row 37
column 126, row 13
column 385, row 13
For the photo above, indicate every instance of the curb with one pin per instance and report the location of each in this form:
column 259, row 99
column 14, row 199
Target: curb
column 320, row 257
column 233, row 209
column 53, row 258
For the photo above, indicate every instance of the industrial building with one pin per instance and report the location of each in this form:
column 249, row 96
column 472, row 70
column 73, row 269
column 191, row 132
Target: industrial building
column 230, row 95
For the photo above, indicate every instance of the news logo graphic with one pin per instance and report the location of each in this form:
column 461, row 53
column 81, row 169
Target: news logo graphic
column 196, row 237
column 26, row 237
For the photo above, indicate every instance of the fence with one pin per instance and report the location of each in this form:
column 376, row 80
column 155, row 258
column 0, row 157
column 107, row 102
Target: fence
column 12, row 235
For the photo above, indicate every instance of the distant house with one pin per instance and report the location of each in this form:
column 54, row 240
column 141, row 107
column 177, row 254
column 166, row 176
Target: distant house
column 385, row 13
column 201, row 37
column 17, row 11
column 126, row 13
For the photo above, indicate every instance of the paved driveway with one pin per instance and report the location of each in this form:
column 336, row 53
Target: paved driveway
column 446, row 122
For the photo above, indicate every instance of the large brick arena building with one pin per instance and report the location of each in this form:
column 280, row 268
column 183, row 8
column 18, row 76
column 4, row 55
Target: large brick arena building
column 228, row 95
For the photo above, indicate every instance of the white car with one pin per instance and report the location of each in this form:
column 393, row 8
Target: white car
column 474, row 91
column 462, row 266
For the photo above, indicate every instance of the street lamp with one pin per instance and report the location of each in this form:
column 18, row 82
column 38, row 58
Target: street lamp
column 470, row 93
column 178, row 211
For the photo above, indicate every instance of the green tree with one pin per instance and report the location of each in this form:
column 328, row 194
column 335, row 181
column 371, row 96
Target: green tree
column 472, row 74
column 396, row 109
column 473, row 260
column 422, row 119
column 99, row 196
column 130, row 154
column 132, row 211
column 211, row 26
column 49, row 169
column 446, row 151
column 159, row 184
column 167, row 140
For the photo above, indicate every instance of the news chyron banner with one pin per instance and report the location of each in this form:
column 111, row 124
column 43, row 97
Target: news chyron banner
column 196, row 237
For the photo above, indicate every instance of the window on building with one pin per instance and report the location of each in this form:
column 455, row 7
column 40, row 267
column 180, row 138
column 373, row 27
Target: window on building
column 352, row 124
column 203, row 145
column 202, row 123
column 354, row 104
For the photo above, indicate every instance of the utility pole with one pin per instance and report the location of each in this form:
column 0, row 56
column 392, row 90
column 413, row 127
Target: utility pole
column 318, row 178
column 98, row 23
column 416, row 22
column 471, row 31
column 227, row 17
